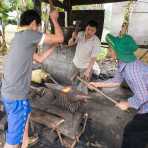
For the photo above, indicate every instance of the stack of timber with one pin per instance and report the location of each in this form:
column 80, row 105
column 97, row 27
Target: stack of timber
column 68, row 125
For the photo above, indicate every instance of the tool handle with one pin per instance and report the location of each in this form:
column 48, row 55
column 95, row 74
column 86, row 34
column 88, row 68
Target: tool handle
column 51, row 5
column 97, row 90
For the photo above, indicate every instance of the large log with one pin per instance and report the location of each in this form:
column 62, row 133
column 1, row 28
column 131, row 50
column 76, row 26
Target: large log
column 2, row 139
column 47, row 119
column 3, row 121
column 71, row 125
column 1, row 106
column 107, row 121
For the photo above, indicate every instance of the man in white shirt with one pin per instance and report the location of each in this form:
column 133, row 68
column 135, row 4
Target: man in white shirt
column 88, row 45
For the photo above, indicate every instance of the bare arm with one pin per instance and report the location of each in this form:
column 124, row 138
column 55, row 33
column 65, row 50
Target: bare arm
column 95, row 50
column 91, row 63
column 104, row 84
column 114, row 82
column 40, row 57
column 58, row 36
column 88, row 71
column 73, row 39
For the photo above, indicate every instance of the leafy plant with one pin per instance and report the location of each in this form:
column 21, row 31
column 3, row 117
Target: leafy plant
column 21, row 5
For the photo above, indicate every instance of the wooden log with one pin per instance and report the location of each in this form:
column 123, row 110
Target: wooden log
column 107, row 122
column 1, row 107
column 69, row 143
column 46, row 119
column 2, row 139
column 71, row 126
column 50, row 135
column 3, row 121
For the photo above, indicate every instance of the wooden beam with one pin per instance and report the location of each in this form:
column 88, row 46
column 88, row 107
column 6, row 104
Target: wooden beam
column 68, row 8
column 88, row 2
column 55, row 3
column 37, row 6
column 63, row 5
column 1, row 107
column 46, row 119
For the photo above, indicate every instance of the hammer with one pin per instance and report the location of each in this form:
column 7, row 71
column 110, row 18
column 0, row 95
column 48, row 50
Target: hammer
column 51, row 5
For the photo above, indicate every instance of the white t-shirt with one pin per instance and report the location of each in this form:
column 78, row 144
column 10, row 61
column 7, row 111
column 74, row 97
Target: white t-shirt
column 85, row 50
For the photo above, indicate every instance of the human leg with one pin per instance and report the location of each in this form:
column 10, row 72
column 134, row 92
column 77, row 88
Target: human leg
column 17, row 115
column 25, row 141
column 136, row 132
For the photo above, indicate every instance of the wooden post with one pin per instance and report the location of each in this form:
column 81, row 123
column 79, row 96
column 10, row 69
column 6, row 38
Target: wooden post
column 68, row 8
column 37, row 6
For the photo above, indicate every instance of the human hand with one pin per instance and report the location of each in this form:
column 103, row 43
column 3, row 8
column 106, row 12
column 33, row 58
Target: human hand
column 87, row 74
column 54, row 15
column 74, row 35
column 123, row 105
column 91, row 85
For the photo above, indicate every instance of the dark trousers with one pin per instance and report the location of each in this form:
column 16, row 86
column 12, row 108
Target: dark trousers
column 136, row 132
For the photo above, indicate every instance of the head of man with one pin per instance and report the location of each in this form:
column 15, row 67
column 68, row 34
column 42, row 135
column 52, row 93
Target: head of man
column 112, row 53
column 30, row 19
column 91, row 29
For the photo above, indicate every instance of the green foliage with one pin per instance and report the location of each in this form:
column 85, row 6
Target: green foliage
column 22, row 5
column 102, row 54
column 127, row 11
column 4, row 9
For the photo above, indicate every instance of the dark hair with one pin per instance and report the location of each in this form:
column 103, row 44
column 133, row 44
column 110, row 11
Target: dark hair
column 92, row 23
column 28, row 16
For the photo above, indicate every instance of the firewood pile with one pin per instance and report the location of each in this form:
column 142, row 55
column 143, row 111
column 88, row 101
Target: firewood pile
column 59, row 110
column 59, row 125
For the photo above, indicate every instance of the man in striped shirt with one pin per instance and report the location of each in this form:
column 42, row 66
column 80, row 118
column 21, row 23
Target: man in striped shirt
column 135, row 73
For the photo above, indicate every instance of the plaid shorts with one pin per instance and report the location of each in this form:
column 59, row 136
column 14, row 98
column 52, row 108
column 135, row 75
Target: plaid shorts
column 17, row 114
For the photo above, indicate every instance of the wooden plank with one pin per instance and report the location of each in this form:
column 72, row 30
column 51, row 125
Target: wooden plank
column 84, row 2
column 46, row 119
column 2, row 139
column 50, row 135
column 71, row 126
column 1, row 107
column 56, row 3
column 3, row 121
column 69, row 143
column 66, row 3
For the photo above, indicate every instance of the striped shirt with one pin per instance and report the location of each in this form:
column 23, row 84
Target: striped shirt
column 136, row 76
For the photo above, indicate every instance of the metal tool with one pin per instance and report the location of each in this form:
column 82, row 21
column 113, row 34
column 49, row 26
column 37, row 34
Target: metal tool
column 99, row 91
